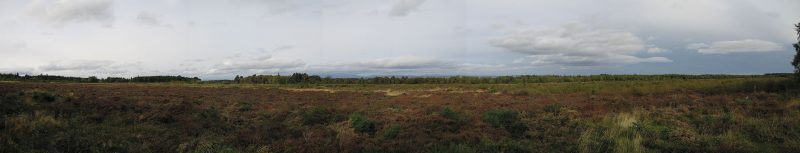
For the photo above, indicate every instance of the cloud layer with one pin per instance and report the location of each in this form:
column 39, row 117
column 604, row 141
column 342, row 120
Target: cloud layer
column 89, row 67
column 264, row 62
column 66, row 11
column 575, row 45
column 404, row 7
column 737, row 46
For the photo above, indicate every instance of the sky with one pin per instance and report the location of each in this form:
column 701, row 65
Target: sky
column 218, row 39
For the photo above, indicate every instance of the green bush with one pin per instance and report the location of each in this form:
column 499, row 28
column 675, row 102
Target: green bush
column 42, row 96
column 451, row 114
column 244, row 106
column 360, row 123
column 209, row 118
column 504, row 119
column 452, row 121
column 316, row 115
column 12, row 104
column 210, row 114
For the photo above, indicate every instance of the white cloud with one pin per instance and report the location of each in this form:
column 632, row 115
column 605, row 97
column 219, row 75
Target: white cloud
column 65, row 11
column 404, row 7
column 575, row 45
column 737, row 46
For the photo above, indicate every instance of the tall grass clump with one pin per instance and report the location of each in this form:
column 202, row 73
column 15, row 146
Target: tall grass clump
column 392, row 131
column 554, row 108
column 613, row 134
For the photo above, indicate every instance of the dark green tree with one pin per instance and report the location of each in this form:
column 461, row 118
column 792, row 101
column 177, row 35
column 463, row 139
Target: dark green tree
column 796, row 61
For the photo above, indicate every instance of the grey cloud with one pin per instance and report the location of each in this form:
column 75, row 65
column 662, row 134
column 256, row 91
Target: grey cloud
column 284, row 47
column 20, row 70
column 403, row 65
column 737, row 46
column 402, row 62
column 656, row 50
column 404, row 7
column 65, row 11
column 12, row 45
column 279, row 6
column 19, row 45
column 277, row 49
column 482, row 67
column 575, row 45
column 146, row 18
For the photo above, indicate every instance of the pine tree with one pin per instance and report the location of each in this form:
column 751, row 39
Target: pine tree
column 796, row 61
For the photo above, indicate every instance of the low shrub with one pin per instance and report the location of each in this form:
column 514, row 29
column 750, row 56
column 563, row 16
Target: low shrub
column 504, row 119
column 360, row 123
column 451, row 114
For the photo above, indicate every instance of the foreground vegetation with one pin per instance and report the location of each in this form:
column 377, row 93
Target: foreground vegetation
column 704, row 115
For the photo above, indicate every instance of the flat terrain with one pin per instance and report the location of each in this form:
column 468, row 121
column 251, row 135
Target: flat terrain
column 702, row 115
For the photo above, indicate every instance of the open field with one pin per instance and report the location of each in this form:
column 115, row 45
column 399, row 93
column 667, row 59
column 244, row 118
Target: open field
column 697, row 115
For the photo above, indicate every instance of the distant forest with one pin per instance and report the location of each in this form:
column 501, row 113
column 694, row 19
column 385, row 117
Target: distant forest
column 303, row 78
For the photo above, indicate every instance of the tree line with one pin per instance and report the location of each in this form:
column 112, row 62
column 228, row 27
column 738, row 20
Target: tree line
column 92, row 79
column 303, row 78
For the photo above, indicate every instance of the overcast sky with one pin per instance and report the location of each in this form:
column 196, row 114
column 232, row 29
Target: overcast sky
column 217, row 39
